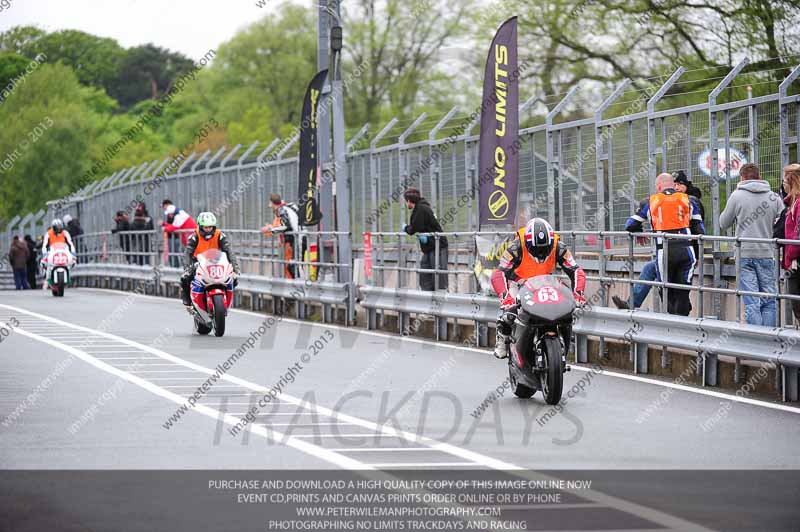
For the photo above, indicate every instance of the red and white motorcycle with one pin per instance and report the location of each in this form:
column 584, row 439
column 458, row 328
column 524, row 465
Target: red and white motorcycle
column 212, row 291
column 59, row 261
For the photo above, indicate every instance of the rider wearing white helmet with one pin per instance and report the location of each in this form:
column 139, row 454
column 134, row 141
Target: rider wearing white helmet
column 56, row 234
column 536, row 250
column 207, row 236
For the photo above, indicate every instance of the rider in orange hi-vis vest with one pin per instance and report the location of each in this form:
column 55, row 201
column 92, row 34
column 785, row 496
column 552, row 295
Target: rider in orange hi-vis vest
column 206, row 236
column 55, row 235
column 536, row 250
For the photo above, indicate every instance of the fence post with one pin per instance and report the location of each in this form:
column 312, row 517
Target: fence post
column 551, row 160
column 376, row 182
column 193, row 205
column 601, row 154
column 783, row 106
column 206, row 174
column 713, row 126
column 239, row 168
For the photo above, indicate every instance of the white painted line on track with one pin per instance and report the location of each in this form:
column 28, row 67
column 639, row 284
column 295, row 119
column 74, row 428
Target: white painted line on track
column 636, row 378
column 322, row 424
column 465, row 454
column 304, row 446
column 379, row 449
column 475, row 459
column 272, row 414
column 127, row 358
column 391, row 465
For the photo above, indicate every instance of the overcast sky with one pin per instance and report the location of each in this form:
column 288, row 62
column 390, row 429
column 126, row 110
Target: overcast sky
column 188, row 26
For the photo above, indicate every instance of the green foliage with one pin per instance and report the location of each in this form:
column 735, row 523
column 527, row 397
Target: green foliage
column 12, row 65
column 47, row 160
column 147, row 72
column 272, row 60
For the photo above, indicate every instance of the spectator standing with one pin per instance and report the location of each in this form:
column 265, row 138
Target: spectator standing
column 19, row 254
column 753, row 207
column 683, row 184
column 287, row 225
column 423, row 220
column 142, row 222
column 671, row 211
column 177, row 219
column 75, row 230
column 791, row 253
column 33, row 264
column 123, row 226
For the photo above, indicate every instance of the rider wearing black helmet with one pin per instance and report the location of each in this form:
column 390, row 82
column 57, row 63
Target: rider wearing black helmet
column 536, row 250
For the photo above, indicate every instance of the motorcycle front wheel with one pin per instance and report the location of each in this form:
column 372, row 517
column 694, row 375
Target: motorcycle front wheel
column 219, row 315
column 553, row 378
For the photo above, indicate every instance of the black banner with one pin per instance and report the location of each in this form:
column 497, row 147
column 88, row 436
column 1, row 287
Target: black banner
column 498, row 160
column 309, row 153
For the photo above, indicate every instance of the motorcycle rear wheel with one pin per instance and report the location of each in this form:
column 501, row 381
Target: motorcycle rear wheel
column 553, row 378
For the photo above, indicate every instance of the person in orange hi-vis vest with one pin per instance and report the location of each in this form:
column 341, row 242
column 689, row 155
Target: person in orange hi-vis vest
column 670, row 211
column 287, row 225
column 536, row 250
column 206, row 236
column 56, row 234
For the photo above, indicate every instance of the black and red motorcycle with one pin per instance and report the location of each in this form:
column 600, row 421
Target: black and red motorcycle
column 541, row 319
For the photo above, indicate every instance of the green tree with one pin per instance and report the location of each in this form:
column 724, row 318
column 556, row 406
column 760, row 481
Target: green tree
column 147, row 72
column 398, row 43
column 49, row 126
column 12, row 65
column 275, row 58
column 607, row 40
column 95, row 60
column 20, row 38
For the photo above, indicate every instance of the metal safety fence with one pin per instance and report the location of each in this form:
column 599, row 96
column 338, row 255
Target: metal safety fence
column 269, row 266
column 586, row 174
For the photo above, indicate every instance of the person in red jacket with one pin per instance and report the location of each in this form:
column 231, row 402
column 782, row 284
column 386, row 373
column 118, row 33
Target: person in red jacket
column 176, row 219
column 791, row 254
column 536, row 250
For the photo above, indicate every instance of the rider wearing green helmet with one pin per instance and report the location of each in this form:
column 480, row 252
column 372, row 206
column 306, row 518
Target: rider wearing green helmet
column 207, row 236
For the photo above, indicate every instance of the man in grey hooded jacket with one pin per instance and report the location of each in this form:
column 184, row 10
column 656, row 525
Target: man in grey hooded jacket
column 753, row 206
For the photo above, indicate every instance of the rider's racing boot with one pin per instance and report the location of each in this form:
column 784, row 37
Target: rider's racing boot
column 187, row 302
column 501, row 347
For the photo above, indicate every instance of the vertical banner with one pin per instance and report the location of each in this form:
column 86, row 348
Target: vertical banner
column 498, row 163
column 309, row 158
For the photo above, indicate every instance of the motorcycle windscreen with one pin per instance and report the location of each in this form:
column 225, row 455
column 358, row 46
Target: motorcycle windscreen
column 545, row 298
column 213, row 256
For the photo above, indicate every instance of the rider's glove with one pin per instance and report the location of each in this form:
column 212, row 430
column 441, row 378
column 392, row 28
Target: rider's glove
column 580, row 299
column 508, row 301
column 423, row 239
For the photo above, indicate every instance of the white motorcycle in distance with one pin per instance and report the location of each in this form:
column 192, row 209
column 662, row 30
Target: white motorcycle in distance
column 59, row 261
column 212, row 291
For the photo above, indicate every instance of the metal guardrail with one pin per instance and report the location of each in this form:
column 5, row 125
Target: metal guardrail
column 147, row 256
column 708, row 337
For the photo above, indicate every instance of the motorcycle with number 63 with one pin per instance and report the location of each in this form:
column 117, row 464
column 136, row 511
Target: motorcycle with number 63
column 541, row 317
column 212, row 292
